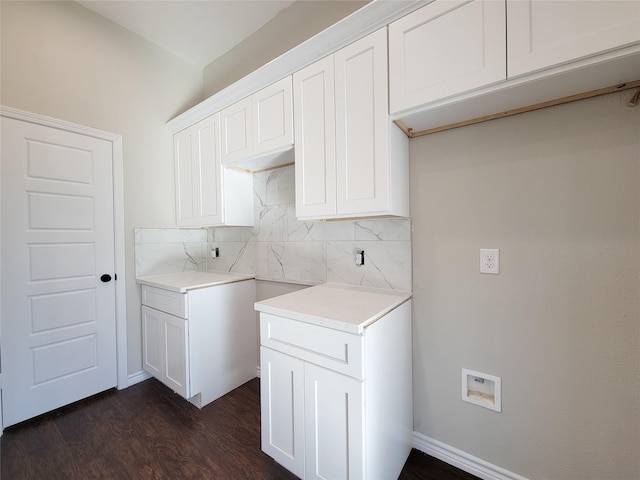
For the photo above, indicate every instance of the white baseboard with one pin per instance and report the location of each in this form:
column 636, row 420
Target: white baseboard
column 138, row 377
column 462, row 460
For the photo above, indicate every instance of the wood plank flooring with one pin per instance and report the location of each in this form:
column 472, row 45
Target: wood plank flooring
column 148, row 432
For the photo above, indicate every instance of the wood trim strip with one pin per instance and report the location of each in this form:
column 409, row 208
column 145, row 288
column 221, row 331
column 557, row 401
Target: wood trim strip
column 559, row 101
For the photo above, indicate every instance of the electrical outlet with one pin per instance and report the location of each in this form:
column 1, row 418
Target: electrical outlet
column 490, row 260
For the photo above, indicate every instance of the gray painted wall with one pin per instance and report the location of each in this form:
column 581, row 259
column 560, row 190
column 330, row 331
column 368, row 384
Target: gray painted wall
column 292, row 26
column 61, row 60
column 558, row 192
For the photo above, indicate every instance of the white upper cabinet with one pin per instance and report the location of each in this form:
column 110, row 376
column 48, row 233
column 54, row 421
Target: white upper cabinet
column 257, row 130
column 273, row 118
column 445, row 48
column 198, row 175
column 237, row 132
column 207, row 194
column 315, row 148
column 351, row 160
column 543, row 34
column 452, row 62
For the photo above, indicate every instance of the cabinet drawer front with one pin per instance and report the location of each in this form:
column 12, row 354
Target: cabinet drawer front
column 338, row 351
column 165, row 301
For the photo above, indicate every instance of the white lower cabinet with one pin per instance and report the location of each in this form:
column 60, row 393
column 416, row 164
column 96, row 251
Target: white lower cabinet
column 329, row 407
column 337, row 405
column 165, row 348
column 282, row 406
column 202, row 343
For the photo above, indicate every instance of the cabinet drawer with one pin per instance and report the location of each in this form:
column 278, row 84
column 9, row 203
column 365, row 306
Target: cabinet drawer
column 166, row 301
column 338, row 351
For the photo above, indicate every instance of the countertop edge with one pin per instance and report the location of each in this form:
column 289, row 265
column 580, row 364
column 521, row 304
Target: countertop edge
column 149, row 281
column 334, row 324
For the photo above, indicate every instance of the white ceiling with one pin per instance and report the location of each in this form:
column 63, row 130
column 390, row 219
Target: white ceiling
column 199, row 31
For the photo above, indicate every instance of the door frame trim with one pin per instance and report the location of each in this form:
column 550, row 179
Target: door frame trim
column 118, row 222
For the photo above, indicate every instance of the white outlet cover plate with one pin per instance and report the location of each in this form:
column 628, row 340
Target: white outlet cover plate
column 490, row 260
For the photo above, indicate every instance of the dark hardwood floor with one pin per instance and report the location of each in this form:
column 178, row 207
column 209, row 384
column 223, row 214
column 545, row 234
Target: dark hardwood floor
column 148, row 432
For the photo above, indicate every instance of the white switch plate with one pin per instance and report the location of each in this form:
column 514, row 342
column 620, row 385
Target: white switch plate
column 490, row 260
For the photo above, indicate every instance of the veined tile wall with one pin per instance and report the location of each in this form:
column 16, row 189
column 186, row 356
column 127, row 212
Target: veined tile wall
column 160, row 251
column 281, row 248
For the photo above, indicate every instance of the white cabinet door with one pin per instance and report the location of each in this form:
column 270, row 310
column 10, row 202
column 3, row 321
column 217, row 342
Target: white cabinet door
column 315, row 152
column 185, row 196
column 542, row 34
column 446, row 48
column 351, row 161
column 209, row 171
column 272, row 117
column 152, row 349
column 237, row 131
column 198, row 174
column 165, row 349
column 334, row 438
column 362, row 123
column 282, row 404
column 176, row 354
column 258, row 125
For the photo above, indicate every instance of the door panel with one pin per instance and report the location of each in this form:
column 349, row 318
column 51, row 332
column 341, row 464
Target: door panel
column 186, row 210
column 468, row 51
column 58, row 317
column 273, row 117
column 544, row 34
column 334, row 425
column 176, row 353
column 237, row 131
column 362, row 122
column 207, row 160
column 282, row 404
column 315, row 150
column 152, row 326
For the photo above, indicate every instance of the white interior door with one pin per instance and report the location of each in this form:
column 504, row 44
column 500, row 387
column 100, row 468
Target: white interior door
column 58, row 327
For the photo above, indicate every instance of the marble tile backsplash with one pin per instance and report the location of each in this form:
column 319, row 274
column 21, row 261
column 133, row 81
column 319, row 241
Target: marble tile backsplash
column 160, row 251
column 281, row 248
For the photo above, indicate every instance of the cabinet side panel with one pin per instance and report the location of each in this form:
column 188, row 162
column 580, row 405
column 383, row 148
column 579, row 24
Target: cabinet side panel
column 223, row 338
column 399, row 171
column 238, row 198
column 389, row 390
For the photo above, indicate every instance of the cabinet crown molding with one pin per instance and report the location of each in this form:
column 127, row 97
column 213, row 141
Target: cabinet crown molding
column 374, row 15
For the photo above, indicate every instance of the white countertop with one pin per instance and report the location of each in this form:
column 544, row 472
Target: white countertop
column 342, row 307
column 182, row 282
